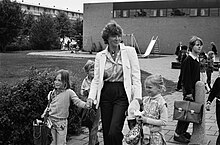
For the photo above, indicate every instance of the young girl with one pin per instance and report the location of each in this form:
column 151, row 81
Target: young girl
column 154, row 114
column 58, row 110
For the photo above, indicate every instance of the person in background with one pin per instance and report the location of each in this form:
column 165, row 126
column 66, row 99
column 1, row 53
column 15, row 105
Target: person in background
column 215, row 93
column 214, row 49
column 85, row 88
column 58, row 110
column 116, row 78
column 203, row 66
column 178, row 49
column 190, row 75
column 210, row 67
column 181, row 58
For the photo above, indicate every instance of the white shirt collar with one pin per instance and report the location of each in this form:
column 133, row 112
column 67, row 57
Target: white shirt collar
column 194, row 57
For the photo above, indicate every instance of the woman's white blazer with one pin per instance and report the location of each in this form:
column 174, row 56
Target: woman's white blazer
column 131, row 74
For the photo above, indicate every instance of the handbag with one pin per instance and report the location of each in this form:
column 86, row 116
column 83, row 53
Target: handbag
column 41, row 129
column 188, row 111
column 41, row 133
column 134, row 135
column 88, row 116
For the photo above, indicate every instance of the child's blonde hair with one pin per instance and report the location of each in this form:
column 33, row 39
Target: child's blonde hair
column 89, row 65
column 156, row 80
column 210, row 54
column 64, row 78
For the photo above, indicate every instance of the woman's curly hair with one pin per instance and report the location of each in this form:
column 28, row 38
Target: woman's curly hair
column 111, row 29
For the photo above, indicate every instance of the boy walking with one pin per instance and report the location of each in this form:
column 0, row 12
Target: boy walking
column 85, row 88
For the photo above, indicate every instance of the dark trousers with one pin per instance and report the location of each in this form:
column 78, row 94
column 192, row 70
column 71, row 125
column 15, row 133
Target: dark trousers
column 179, row 83
column 113, row 104
column 218, row 120
column 209, row 75
column 181, row 127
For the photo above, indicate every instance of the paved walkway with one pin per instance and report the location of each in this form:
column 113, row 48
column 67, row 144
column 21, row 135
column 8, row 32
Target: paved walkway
column 160, row 65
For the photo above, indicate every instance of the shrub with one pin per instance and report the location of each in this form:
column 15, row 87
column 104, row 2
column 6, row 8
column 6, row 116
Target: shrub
column 24, row 102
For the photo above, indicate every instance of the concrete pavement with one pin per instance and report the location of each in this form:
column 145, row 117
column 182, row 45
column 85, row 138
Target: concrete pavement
column 161, row 65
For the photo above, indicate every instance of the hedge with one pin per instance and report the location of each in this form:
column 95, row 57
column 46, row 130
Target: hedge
column 24, row 102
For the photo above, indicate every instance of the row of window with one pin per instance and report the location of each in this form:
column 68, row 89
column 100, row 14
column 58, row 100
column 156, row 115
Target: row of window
column 204, row 12
column 51, row 11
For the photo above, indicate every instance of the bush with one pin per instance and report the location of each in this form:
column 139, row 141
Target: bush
column 20, row 43
column 24, row 102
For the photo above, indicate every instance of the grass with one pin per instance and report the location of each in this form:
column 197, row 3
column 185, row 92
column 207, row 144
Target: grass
column 15, row 66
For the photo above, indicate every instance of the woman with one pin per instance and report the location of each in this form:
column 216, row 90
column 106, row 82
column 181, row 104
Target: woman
column 116, row 78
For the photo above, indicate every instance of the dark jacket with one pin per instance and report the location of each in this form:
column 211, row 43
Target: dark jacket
column 215, row 91
column 190, row 75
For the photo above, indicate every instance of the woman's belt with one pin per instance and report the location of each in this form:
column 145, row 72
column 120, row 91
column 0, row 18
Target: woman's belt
column 60, row 119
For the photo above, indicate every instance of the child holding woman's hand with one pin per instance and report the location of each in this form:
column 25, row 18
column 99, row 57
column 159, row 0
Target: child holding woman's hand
column 58, row 110
column 154, row 114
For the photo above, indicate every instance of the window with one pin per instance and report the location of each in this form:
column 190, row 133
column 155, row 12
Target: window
column 193, row 12
column 163, row 12
column 125, row 13
column 117, row 14
column 142, row 13
column 204, row 12
column 177, row 12
column 186, row 11
column 214, row 12
column 133, row 13
column 169, row 12
column 28, row 7
column 153, row 13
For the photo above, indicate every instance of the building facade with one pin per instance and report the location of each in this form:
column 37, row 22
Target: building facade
column 36, row 10
column 171, row 21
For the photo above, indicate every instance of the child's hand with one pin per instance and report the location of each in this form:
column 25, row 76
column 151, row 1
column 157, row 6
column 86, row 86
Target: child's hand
column 208, row 106
column 42, row 116
column 141, row 118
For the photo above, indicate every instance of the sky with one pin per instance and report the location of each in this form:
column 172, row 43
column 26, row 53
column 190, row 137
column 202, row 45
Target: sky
column 74, row 5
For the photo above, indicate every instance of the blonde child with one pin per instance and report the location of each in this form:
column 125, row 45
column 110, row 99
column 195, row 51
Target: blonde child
column 85, row 88
column 154, row 115
column 58, row 110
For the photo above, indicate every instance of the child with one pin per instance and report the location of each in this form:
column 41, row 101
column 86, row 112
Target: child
column 58, row 110
column 215, row 94
column 210, row 67
column 89, row 69
column 154, row 114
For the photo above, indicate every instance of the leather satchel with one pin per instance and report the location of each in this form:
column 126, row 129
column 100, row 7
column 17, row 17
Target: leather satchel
column 188, row 111
column 88, row 116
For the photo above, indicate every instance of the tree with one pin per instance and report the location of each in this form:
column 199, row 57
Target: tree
column 78, row 26
column 27, row 24
column 11, row 19
column 64, row 26
column 43, row 33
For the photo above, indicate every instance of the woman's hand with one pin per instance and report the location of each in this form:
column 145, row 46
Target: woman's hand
column 89, row 103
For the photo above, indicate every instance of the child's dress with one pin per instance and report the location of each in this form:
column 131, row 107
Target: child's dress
column 155, row 109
